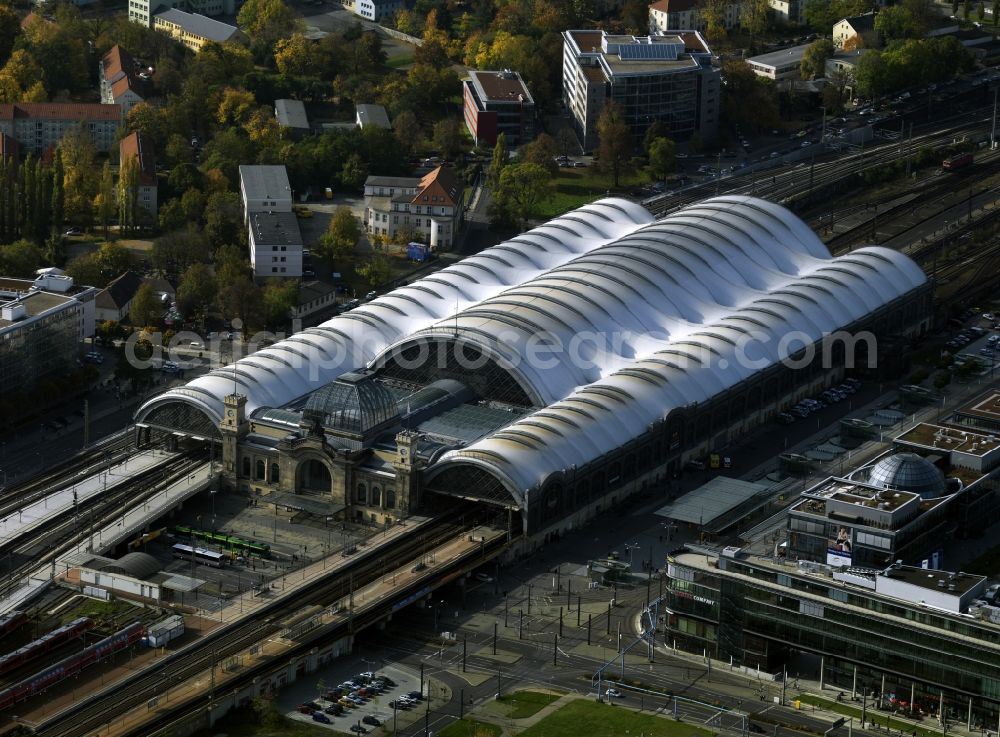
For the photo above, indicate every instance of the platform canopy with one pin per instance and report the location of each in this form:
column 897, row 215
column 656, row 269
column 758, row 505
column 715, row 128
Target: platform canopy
column 718, row 503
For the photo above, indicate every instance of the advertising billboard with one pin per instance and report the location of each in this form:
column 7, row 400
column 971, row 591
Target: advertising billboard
column 839, row 546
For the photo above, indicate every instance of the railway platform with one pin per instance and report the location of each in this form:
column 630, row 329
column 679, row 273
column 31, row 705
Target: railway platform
column 107, row 535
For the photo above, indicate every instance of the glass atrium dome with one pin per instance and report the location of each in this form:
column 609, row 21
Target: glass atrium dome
column 908, row 472
column 354, row 404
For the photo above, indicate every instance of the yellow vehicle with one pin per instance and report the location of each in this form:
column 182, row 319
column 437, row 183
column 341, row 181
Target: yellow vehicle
column 302, row 211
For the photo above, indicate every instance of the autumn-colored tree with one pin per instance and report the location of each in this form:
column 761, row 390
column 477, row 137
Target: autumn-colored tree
column 104, row 203
column 448, row 138
column 341, row 235
column 614, row 140
column 128, row 195
column 294, row 55
column 406, row 128
column 20, row 79
column 10, row 29
column 235, row 107
column 78, row 155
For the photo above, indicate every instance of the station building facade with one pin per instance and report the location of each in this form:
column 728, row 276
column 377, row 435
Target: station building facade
column 555, row 374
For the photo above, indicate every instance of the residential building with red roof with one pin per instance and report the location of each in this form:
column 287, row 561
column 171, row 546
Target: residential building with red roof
column 135, row 147
column 39, row 126
column 120, row 80
column 667, row 14
column 431, row 205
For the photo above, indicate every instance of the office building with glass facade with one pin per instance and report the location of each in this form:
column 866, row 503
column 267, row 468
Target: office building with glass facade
column 42, row 323
column 904, row 635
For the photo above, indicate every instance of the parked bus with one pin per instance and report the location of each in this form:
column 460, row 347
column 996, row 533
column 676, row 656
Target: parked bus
column 959, row 161
column 200, row 555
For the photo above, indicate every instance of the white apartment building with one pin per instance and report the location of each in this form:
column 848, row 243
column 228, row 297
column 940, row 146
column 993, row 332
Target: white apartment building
column 39, row 126
column 431, row 205
column 274, row 236
column 667, row 14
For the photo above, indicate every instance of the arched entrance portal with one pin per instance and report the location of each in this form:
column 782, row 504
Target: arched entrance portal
column 313, row 478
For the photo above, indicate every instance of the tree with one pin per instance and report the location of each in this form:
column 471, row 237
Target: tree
column 128, row 194
column 294, row 55
column 105, row 203
column 376, row 270
column 76, row 150
column 895, row 22
column 235, row 107
column 814, row 58
column 567, row 142
column 20, row 259
column 280, row 296
column 662, row 158
column 753, row 17
column 223, row 219
column 406, row 128
column 713, row 14
column 501, row 158
column 115, row 259
column 635, row 16
column 835, row 91
column 981, row 11
column 870, row 75
column 614, row 140
column 145, row 309
column 196, row 291
column 10, row 29
column 523, row 188
column 341, row 235
column 448, row 138
column 542, row 151
column 748, row 98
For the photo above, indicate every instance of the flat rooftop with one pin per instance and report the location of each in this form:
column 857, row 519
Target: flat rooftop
column 950, row 438
column 780, row 57
column 852, row 492
column 715, row 500
column 935, row 580
column 37, row 303
column 502, row 86
column 985, row 406
column 275, row 229
column 265, row 181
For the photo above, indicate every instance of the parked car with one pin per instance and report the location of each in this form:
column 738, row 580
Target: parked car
column 320, row 717
column 369, row 719
column 358, row 729
column 73, row 231
column 306, row 709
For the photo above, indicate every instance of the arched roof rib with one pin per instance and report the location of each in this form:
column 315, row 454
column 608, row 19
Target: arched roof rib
column 780, row 281
column 302, row 364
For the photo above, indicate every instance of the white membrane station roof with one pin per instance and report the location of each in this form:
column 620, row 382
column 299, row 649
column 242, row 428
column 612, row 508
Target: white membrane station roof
column 635, row 317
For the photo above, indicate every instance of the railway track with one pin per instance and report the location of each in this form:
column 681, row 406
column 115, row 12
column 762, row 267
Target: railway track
column 43, row 545
column 785, row 186
column 91, row 714
column 99, row 457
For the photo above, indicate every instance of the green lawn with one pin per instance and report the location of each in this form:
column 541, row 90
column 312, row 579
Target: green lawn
column 604, row 720
column 470, row 728
column 575, row 187
column 871, row 715
column 521, row 704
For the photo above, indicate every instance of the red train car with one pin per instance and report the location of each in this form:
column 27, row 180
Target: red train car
column 44, row 644
column 959, row 161
column 72, row 665
column 10, row 621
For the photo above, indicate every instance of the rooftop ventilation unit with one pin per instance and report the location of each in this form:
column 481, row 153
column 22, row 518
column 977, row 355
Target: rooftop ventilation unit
column 13, row 311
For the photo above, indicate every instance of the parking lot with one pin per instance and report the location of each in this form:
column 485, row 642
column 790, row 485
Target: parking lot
column 349, row 681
